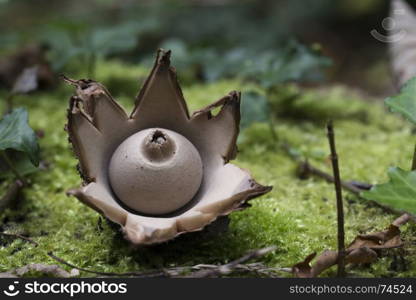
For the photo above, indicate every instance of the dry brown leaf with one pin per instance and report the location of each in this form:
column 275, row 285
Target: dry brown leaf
column 328, row 258
column 362, row 255
column 403, row 219
column 362, row 250
column 324, row 261
column 27, row 81
column 389, row 238
column 303, row 269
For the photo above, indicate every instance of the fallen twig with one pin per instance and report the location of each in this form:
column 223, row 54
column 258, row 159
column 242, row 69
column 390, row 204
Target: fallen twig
column 19, row 236
column 228, row 268
column 363, row 186
column 201, row 269
column 403, row 219
column 157, row 273
column 305, row 170
column 340, row 208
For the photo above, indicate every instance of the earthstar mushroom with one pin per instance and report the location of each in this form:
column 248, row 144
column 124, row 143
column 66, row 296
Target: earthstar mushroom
column 157, row 172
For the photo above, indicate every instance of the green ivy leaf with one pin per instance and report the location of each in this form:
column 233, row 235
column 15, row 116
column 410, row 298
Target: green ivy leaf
column 405, row 101
column 398, row 193
column 294, row 62
column 16, row 134
column 71, row 40
column 268, row 67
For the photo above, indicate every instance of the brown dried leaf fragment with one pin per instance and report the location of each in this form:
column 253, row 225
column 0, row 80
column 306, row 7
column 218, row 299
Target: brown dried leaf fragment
column 13, row 66
column 363, row 255
column 327, row 259
column 303, row 269
column 27, row 81
column 362, row 250
column 389, row 238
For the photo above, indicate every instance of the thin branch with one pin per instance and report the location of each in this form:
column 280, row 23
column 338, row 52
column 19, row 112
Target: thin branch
column 19, row 236
column 69, row 80
column 228, row 268
column 201, row 270
column 158, row 273
column 50, row 254
column 62, row 261
column 363, row 186
column 340, row 207
column 306, row 169
column 403, row 219
column 258, row 268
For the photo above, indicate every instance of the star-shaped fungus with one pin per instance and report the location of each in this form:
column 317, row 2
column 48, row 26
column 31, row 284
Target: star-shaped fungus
column 157, row 172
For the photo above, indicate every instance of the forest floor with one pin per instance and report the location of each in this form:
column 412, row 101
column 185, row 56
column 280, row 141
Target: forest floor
column 297, row 216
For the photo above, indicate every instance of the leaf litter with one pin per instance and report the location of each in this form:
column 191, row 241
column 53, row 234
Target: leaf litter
column 364, row 249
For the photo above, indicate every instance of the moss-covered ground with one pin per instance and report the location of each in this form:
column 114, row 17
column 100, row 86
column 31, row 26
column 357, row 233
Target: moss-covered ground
column 298, row 216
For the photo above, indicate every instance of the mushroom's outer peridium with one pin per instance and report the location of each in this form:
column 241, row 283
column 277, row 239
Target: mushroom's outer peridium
column 97, row 125
column 155, row 171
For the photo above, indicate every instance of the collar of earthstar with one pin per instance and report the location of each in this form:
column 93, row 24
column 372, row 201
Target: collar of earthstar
column 158, row 172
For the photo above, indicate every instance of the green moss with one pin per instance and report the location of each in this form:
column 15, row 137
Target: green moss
column 298, row 216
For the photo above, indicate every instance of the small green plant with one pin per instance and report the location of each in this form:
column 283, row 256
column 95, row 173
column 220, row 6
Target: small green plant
column 88, row 44
column 19, row 149
column 294, row 63
column 400, row 191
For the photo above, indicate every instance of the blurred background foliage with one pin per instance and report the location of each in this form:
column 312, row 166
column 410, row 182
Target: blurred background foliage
column 265, row 41
column 298, row 64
